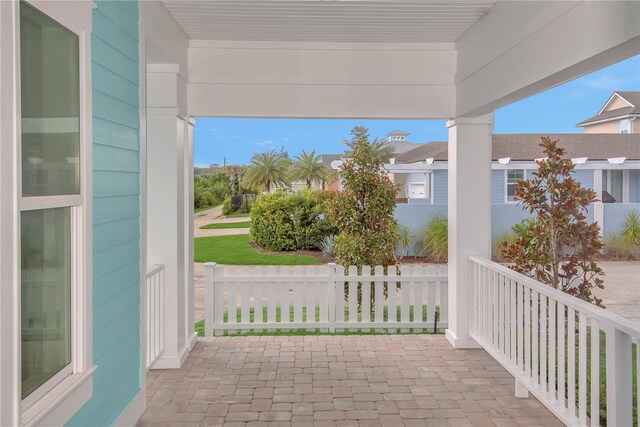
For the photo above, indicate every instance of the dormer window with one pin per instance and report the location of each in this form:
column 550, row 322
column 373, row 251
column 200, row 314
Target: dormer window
column 625, row 126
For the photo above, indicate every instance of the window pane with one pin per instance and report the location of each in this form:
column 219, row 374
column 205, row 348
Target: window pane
column 50, row 106
column 615, row 185
column 45, row 295
column 513, row 175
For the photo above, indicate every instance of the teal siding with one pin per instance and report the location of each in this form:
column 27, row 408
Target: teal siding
column 116, row 205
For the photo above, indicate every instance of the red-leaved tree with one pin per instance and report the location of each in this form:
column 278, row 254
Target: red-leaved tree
column 558, row 246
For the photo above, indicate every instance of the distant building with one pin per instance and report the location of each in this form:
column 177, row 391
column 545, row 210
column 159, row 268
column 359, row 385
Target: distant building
column 618, row 115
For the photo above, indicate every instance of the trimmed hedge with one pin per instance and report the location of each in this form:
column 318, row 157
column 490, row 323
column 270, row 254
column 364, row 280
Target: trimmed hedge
column 287, row 222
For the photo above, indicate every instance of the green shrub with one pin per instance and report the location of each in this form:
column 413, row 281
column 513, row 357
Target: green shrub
column 288, row 222
column 618, row 247
column 434, row 241
column 210, row 189
column 501, row 242
column 405, row 237
column 226, row 206
column 631, row 230
column 328, row 246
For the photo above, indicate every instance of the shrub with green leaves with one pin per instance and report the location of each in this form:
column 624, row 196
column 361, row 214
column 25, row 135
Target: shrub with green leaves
column 631, row 230
column 281, row 221
column 363, row 211
column 434, row 241
column 501, row 242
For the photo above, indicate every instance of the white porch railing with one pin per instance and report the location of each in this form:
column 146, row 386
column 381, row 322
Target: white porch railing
column 551, row 342
column 155, row 314
column 323, row 297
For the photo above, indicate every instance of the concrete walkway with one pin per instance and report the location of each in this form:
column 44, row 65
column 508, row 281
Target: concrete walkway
column 408, row 380
column 214, row 216
column 621, row 293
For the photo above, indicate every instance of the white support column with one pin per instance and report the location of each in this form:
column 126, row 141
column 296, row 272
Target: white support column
column 469, row 215
column 168, row 210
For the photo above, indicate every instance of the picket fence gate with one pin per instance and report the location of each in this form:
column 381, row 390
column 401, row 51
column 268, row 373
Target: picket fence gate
column 326, row 298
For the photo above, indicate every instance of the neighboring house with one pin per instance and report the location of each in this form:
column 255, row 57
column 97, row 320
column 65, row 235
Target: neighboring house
column 606, row 163
column 615, row 157
column 618, row 115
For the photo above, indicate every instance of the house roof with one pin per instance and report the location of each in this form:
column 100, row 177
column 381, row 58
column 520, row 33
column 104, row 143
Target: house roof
column 436, row 150
column 525, row 147
column 630, row 97
column 397, row 133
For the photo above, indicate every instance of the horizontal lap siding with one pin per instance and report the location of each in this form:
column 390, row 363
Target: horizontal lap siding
column 116, row 198
column 440, row 186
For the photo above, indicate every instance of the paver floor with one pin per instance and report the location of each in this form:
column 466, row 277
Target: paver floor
column 408, row 380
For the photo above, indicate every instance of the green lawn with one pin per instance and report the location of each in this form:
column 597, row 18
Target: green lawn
column 220, row 225
column 236, row 250
column 237, row 215
column 199, row 326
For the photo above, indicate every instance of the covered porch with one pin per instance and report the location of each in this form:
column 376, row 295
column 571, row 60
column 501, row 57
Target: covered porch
column 409, row 380
column 462, row 62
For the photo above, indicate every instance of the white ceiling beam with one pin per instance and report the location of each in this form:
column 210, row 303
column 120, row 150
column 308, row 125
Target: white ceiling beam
column 523, row 48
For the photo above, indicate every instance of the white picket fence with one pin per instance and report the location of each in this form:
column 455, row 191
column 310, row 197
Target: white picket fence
column 154, row 315
column 325, row 298
column 551, row 342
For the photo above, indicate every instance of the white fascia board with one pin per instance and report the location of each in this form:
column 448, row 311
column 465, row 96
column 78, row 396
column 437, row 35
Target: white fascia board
column 611, row 98
column 611, row 119
column 529, row 165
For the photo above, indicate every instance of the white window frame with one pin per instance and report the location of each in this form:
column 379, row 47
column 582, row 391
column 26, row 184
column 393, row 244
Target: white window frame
column 506, row 183
column 626, row 128
column 72, row 387
column 625, row 184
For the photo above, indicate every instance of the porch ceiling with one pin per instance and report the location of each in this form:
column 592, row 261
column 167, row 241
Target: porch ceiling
column 328, row 21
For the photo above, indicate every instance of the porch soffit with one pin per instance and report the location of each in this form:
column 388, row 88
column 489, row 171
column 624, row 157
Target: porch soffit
column 389, row 21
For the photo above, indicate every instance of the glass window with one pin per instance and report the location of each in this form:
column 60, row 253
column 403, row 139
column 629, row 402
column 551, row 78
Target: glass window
column 50, row 103
column 612, row 184
column 45, row 295
column 50, row 139
column 513, row 176
column 625, row 126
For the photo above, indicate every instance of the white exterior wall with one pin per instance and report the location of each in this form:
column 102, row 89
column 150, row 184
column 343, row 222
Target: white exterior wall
column 324, row 80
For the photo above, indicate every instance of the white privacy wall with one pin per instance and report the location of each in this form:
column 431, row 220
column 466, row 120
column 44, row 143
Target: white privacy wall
column 324, row 80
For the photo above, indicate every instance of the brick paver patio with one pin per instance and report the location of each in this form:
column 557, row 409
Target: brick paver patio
column 407, row 380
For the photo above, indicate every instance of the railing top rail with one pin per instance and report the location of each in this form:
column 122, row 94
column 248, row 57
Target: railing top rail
column 604, row 316
column 154, row 269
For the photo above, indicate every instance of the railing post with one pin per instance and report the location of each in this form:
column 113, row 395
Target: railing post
column 332, row 297
column 619, row 368
column 209, row 292
column 521, row 390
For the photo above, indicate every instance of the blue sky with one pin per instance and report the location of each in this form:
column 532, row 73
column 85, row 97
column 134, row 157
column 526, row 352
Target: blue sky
column 555, row 111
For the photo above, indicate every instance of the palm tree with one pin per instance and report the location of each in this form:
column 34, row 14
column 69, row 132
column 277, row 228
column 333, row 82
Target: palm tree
column 379, row 149
column 309, row 168
column 267, row 169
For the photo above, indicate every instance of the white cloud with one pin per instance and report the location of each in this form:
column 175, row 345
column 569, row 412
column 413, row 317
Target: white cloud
column 265, row 142
column 285, row 139
column 235, row 137
column 607, row 82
